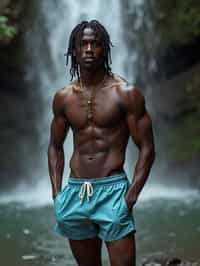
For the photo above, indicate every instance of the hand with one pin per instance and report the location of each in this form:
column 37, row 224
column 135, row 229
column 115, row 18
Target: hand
column 55, row 195
column 130, row 201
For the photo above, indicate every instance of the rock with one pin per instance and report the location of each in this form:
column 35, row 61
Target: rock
column 178, row 109
column 168, row 262
column 17, row 98
column 173, row 261
column 12, row 9
column 180, row 94
column 13, row 12
column 3, row 5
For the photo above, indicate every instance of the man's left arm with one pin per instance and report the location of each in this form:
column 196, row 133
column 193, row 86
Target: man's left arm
column 140, row 127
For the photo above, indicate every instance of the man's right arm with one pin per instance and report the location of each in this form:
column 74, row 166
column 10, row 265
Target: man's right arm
column 59, row 129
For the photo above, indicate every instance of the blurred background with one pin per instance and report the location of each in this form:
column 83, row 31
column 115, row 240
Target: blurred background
column 156, row 47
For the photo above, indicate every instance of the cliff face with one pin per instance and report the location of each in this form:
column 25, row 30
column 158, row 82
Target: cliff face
column 178, row 97
column 166, row 38
column 17, row 121
column 178, row 130
column 11, row 53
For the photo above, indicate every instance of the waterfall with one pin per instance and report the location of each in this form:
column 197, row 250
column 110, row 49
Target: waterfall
column 60, row 19
column 47, row 41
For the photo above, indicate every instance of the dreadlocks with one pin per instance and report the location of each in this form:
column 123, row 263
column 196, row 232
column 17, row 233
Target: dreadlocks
column 76, row 35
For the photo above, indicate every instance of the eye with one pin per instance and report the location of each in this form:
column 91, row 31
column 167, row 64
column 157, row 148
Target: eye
column 96, row 43
column 83, row 43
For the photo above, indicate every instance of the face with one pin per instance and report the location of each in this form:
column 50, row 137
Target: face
column 90, row 52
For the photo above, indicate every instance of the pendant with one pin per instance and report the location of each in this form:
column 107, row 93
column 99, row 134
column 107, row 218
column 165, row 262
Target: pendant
column 89, row 116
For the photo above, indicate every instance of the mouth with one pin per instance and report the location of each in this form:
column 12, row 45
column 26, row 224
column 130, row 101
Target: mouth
column 89, row 59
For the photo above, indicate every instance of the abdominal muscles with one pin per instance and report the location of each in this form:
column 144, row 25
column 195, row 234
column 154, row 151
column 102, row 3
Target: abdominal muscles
column 98, row 151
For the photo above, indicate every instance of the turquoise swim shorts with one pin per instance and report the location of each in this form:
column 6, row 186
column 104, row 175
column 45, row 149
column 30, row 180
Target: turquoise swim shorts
column 91, row 207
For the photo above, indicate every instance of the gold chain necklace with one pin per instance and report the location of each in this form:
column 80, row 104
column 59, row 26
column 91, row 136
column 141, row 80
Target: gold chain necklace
column 89, row 98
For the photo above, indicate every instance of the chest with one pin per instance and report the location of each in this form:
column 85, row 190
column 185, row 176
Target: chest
column 102, row 108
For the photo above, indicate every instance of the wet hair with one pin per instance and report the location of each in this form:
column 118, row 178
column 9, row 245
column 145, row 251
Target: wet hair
column 75, row 38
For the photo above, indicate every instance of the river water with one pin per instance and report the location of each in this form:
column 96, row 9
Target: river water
column 167, row 221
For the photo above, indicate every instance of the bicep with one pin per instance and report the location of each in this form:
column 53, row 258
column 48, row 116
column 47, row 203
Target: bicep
column 59, row 129
column 138, row 119
column 141, row 130
column 59, row 125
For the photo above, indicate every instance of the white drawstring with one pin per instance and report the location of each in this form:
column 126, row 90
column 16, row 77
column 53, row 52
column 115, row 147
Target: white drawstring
column 86, row 188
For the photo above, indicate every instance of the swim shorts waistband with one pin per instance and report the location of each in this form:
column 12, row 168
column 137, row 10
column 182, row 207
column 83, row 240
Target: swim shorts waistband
column 99, row 181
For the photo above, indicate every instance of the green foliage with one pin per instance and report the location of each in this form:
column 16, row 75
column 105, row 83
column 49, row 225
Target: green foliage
column 6, row 31
column 183, row 140
column 178, row 20
column 181, row 137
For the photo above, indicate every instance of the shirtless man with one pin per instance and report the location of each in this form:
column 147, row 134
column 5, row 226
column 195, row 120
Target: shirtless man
column 102, row 110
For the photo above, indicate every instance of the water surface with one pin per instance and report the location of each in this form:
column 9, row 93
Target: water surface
column 168, row 224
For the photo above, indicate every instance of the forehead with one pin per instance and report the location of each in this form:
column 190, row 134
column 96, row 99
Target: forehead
column 90, row 33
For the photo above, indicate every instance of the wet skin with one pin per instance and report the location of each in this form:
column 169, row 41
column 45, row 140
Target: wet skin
column 101, row 129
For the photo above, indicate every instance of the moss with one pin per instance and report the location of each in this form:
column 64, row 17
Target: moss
column 7, row 31
column 178, row 21
column 183, row 142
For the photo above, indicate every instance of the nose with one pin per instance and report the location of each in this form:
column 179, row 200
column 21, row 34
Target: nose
column 89, row 47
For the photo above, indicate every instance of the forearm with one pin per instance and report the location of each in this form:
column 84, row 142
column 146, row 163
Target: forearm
column 142, row 170
column 56, row 167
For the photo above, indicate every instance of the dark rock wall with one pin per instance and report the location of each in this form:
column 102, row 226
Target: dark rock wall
column 177, row 99
column 18, row 118
column 166, row 36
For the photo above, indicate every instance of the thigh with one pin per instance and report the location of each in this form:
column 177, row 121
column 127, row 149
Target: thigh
column 122, row 252
column 87, row 252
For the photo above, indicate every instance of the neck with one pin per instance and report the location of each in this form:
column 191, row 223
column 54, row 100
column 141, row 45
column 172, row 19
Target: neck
column 91, row 78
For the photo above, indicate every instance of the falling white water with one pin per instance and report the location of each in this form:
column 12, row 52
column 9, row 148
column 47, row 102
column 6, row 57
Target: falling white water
column 48, row 42
column 60, row 18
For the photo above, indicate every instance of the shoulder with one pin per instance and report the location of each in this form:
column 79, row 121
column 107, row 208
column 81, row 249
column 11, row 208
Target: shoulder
column 61, row 97
column 117, row 82
column 63, row 94
column 132, row 98
column 135, row 101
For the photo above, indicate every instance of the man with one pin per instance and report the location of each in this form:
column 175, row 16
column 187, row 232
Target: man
column 102, row 110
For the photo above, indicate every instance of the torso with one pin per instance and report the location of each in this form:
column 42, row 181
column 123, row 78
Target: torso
column 100, row 136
